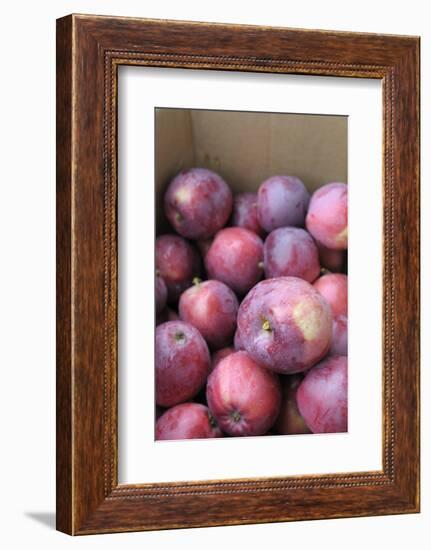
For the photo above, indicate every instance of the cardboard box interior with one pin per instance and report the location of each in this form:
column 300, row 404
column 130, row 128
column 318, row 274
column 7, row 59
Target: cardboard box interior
column 245, row 148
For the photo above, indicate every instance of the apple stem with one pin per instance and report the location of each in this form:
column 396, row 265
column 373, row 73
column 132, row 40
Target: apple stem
column 266, row 326
column 197, row 281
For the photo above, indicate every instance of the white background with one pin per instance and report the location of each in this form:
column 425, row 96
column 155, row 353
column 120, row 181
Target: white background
column 27, row 209
column 143, row 460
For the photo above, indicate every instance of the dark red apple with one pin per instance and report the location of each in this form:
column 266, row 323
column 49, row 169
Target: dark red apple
column 289, row 420
column 198, row 202
column 291, row 251
column 327, row 216
column 182, row 363
column 244, row 213
column 187, row 421
column 282, row 201
column 167, row 314
column 235, row 257
column 237, row 344
column 211, row 307
column 178, row 263
column 322, row 396
column 285, row 324
column 244, row 397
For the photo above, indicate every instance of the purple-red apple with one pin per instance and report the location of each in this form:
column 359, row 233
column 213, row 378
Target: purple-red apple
column 333, row 287
column 327, row 215
column 244, row 213
column 178, row 263
column 285, row 324
column 244, row 397
column 322, row 396
column 198, row 202
column 289, row 420
column 187, row 421
column 291, row 251
column 235, row 257
column 282, row 201
column 182, row 363
column 211, row 307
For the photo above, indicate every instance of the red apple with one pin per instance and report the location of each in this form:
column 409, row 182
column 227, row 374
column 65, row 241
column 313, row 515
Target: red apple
column 178, row 263
column 211, row 307
column 235, row 257
column 322, row 396
column 285, row 324
column 333, row 287
column 244, row 213
column 198, row 202
column 327, row 216
column 187, row 421
column 219, row 355
column 244, row 397
column 182, row 363
column 282, row 201
column 339, row 336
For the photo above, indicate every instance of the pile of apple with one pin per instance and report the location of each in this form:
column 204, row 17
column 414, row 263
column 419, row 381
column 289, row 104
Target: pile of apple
column 251, row 303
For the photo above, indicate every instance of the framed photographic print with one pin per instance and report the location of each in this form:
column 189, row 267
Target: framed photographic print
column 237, row 274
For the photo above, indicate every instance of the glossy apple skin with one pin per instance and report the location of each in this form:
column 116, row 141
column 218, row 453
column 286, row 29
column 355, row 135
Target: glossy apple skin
column 285, row 324
column 243, row 397
column 235, row 257
column 332, row 260
column 178, row 262
column 198, row 202
column 219, row 355
column 187, row 421
column 161, row 294
column 339, row 343
column 291, row 251
column 182, row 363
column 334, row 288
column 244, row 213
column 282, row 201
column 322, row 396
column 327, row 216
column 211, row 307
column 290, row 421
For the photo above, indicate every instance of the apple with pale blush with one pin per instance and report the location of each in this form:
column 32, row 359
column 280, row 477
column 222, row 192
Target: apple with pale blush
column 285, row 324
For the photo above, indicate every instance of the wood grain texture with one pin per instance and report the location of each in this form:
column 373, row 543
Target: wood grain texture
column 90, row 49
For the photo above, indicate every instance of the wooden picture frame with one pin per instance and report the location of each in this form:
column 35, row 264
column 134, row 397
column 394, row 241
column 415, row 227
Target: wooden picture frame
column 89, row 51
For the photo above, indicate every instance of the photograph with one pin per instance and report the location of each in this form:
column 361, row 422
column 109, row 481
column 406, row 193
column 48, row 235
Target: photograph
column 251, row 280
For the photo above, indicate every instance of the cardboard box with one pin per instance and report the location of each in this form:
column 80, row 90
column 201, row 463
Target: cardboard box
column 245, row 148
